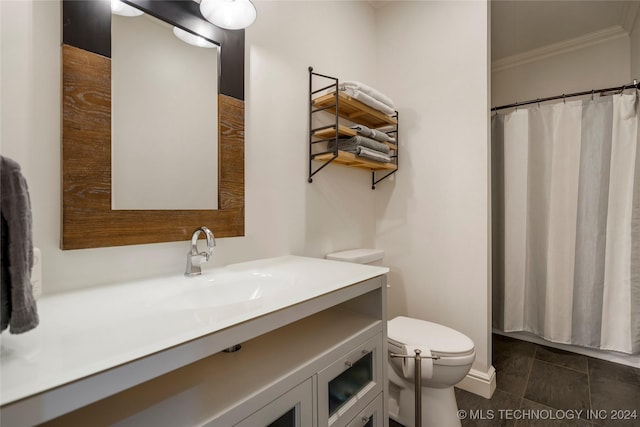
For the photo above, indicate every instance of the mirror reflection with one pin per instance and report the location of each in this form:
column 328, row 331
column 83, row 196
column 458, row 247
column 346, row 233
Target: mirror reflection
column 164, row 118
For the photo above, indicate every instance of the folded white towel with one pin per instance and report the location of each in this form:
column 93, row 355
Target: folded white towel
column 374, row 93
column 370, row 101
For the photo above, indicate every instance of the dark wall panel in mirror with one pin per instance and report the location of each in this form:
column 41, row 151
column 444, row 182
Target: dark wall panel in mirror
column 87, row 25
column 87, row 218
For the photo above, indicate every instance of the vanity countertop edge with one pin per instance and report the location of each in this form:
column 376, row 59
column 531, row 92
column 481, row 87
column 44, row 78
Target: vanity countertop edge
column 333, row 283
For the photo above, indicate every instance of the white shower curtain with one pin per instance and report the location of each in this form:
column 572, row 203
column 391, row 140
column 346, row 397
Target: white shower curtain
column 567, row 222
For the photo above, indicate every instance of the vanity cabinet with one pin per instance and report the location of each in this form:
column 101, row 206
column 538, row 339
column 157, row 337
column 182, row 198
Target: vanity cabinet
column 371, row 416
column 344, row 111
column 292, row 409
column 323, row 367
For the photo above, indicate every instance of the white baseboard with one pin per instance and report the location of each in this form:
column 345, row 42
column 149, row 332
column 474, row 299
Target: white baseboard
column 480, row 383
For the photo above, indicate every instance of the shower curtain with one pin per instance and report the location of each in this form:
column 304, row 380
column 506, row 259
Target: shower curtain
column 566, row 186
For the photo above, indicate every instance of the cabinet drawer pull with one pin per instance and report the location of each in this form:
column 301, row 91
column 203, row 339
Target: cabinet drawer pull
column 364, row 352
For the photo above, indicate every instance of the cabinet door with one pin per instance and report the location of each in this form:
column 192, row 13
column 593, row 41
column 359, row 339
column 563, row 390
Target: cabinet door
column 292, row 409
column 349, row 384
column 371, row 416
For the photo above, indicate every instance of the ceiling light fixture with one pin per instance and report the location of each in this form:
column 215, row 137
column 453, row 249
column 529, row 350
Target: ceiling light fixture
column 229, row 14
column 123, row 9
column 192, row 39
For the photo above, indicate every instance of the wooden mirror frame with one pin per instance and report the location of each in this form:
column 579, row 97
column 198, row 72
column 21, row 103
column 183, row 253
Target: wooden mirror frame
column 87, row 218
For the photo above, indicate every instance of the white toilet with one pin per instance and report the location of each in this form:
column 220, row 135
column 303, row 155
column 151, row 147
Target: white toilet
column 455, row 351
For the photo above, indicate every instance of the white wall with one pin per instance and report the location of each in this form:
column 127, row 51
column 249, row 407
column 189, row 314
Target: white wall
column 284, row 214
column 432, row 221
column 593, row 67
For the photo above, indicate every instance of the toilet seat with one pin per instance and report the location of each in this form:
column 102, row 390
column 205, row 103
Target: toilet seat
column 440, row 340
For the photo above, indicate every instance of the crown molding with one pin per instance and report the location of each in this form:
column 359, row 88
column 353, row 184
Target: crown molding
column 587, row 40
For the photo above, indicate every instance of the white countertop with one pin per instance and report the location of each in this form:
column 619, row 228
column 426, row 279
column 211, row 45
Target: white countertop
column 86, row 332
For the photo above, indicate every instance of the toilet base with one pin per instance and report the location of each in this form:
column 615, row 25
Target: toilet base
column 439, row 407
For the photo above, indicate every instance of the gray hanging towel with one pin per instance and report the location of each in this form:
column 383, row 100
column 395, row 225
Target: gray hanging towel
column 18, row 309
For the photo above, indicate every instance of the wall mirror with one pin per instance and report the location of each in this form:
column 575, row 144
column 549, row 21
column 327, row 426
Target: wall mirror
column 155, row 74
column 88, row 219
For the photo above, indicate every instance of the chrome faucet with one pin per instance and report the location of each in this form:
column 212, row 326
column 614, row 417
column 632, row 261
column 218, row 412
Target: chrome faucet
column 195, row 259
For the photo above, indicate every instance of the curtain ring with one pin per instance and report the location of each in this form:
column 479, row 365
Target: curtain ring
column 592, row 91
column 564, row 100
column 538, row 101
column 516, row 106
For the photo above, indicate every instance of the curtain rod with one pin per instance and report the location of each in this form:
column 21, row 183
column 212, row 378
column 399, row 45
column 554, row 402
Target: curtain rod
column 635, row 84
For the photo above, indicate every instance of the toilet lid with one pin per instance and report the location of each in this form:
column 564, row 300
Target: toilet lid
column 438, row 338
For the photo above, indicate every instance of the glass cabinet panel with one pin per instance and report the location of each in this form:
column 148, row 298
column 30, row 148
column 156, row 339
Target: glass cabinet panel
column 292, row 409
column 287, row 420
column 347, row 384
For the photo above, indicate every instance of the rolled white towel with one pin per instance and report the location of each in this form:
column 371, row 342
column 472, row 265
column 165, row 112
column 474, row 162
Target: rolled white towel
column 374, row 93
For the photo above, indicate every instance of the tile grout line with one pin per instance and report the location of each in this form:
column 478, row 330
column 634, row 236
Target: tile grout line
column 564, row 367
column 589, row 388
column 568, row 367
column 526, row 383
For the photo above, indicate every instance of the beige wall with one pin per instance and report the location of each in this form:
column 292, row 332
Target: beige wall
column 433, row 221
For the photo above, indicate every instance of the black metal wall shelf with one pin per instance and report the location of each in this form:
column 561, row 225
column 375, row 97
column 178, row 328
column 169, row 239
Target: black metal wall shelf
column 341, row 106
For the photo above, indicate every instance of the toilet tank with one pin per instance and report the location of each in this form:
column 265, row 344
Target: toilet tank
column 358, row 256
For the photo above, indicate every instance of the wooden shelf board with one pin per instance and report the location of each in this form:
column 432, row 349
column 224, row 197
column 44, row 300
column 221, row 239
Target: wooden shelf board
column 354, row 110
column 331, row 132
column 351, row 160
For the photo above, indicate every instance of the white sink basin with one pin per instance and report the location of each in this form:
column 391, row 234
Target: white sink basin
column 221, row 288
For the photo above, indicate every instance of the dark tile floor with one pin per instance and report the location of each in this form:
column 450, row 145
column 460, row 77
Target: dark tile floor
column 541, row 386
